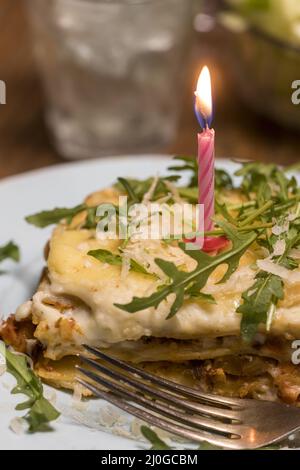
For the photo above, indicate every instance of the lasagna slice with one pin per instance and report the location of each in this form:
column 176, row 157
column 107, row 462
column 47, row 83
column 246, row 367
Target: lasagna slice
column 90, row 286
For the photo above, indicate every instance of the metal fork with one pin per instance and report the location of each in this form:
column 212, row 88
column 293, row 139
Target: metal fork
column 230, row 423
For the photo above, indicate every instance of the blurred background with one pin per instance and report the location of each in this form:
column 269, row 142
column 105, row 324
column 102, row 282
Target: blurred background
column 93, row 78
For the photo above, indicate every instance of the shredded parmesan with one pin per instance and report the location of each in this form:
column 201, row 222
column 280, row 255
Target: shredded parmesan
column 2, row 366
column 295, row 253
column 163, row 199
column 146, row 255
column 279, row 248
column 149, row 194
column 87, row 264
column 238, row 282
column 77, row 395
column 292, row 216
column 83, row 247
column 51, row 396
column 125, row 267
column 279, row 229
column 77, row 402
column 269, row 266
column 18, row 425
column 174, row 191
column 109, row 416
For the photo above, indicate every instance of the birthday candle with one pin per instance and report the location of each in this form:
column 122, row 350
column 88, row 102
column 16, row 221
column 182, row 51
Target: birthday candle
column 206, row 160
column 206, row 183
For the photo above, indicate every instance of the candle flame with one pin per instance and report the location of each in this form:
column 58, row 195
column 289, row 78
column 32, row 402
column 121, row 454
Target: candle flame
column 204, row 97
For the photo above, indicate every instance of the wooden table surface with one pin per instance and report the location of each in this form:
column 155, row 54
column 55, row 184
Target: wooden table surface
column 25, row 143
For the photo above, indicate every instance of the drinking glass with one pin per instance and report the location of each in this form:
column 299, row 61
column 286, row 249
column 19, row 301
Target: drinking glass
column 112, row 71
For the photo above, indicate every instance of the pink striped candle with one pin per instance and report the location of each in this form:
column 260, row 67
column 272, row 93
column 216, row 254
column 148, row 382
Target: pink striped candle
column 206, row 161
column 206, row 172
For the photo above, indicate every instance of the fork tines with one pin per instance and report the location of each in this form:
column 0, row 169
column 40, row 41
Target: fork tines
column 178, row 409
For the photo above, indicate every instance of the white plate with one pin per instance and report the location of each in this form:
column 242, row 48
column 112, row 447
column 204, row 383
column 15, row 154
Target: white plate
column 65, row 186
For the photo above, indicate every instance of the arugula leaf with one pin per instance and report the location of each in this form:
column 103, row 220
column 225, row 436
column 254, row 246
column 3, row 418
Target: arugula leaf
column 251, row 6
column 190, row 163
column 129, row 189
column 293, row 167
column 260, row 300
column 152, row 437
column 222, row 209
column 222, row 179
column 106, row 256
column 202, row 296
column 11, row 251
column 136, row 189
column 257, row 302
column 41, row 412
column 191, row 194
column 207, row 446
column 258, row 177
column 54, row 216
column 137, row 267
column 91, row 218
column 187, row 283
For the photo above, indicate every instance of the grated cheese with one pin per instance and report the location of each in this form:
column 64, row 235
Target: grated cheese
column 18, row 425
column 279, row 248
column 271, row 267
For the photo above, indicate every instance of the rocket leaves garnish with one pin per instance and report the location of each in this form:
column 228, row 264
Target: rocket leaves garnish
column 189, row 163
column 9, row 251
column 45, row 218
column 156, row 442
column 106, row 256
column 185, row 284
column 258, row 301
column 136, row 189
column 129, row 189
column 222, row 179
column 257, row 175
column 40, row 411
